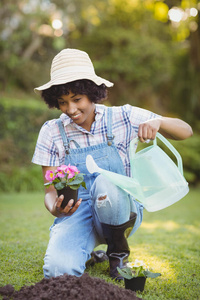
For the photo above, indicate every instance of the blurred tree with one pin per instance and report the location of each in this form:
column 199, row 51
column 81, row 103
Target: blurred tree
column 153, row 60
column 185, row 93
column 23, row 37
column 134, row 50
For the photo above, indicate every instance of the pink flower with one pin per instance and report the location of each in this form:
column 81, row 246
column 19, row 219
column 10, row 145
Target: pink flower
column 71, row 171
column 49, row 175
column 64, row 176
column 62, row 168
column 60, row 174
column 70, row 174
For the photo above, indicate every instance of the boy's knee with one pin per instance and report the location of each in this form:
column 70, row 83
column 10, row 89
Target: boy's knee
column 59, row 265
column 102, row 197
column 103, row 200
column 101, row 188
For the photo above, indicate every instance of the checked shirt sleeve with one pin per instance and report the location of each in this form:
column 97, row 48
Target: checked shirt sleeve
column 138, row 115
column 46, row 153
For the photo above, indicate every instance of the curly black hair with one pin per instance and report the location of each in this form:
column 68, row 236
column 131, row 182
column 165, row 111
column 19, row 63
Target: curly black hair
column 87, row 87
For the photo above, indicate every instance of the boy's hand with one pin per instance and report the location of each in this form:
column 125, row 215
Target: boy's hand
column 68, row 210
column 148, row 129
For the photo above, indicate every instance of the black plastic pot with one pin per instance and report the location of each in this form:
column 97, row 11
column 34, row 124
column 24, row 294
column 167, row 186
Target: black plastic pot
column 135, row 284
column 68, row 195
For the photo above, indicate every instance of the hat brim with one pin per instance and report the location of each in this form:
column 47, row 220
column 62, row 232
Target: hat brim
column 66, row 78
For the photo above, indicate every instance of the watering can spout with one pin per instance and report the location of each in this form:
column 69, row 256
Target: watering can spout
column 91, row 165
column 128, row 184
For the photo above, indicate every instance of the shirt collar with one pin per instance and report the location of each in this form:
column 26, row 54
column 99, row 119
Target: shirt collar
column 99, row 111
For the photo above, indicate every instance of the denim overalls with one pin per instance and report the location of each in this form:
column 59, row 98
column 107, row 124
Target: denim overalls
column 73, row 238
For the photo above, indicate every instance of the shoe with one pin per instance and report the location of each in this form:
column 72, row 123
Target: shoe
column 96, row 257
column 118, row 248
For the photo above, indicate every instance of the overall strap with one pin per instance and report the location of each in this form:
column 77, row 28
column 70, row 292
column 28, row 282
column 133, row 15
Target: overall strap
column 66, row 140
column 110, row 136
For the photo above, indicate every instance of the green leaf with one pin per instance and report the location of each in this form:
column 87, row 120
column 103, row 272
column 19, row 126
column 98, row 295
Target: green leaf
column 126, row 273
column 57, row 179
column 64, row 180
column 59, row 186
column 74, row 187
column 151, row 275
column 77, row 180
column 84, row 185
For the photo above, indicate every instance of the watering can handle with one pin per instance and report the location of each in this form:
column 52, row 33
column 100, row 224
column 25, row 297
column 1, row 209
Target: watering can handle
column 167, row 143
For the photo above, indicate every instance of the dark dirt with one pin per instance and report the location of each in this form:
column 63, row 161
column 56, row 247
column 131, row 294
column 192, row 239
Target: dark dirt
column 71, row 288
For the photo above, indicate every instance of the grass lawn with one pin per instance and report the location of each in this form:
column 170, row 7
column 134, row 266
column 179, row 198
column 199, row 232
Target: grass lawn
column 168, row 241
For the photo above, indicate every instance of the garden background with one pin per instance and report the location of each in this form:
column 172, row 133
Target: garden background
column 149, row 49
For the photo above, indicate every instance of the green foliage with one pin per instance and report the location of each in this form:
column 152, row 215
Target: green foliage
column 59, row 185
column 20, row 122
column 19, row 28
column 65, row 182
column 138, row 58
column 184, row 90
column 133, row 272
column 132, row 43
column 19, row 178
column 126, row 273
column 133, row 57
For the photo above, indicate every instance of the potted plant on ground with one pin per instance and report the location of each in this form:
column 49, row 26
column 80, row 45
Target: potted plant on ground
column 135, row 274
column 66, row 180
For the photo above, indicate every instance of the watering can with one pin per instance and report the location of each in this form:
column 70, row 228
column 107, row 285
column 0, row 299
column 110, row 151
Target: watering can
column 157, row 182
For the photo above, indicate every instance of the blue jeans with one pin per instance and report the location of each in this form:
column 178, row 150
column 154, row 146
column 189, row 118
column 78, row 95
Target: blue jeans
column 73, row 238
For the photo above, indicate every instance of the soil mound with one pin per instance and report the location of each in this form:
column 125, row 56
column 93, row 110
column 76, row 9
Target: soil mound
column 70, row 288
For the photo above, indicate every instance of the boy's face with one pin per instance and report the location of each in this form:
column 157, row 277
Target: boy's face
column 79, row 108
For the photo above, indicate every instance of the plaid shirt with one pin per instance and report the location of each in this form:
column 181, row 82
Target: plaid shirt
column 49, row 149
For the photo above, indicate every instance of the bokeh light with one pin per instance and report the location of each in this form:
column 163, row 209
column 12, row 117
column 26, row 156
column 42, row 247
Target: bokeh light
column 57, row 24
column 176, row 14
column 193, row 12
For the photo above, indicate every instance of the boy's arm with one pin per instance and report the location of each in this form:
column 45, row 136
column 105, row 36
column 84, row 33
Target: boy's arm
column 171, row 128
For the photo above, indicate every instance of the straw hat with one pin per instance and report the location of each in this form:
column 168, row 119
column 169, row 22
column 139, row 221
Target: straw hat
column 69, row 65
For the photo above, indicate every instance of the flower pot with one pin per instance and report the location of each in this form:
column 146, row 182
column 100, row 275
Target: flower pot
column 68, row 195
column 135, row 284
